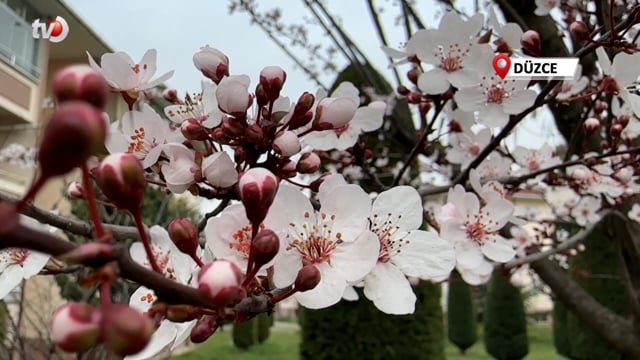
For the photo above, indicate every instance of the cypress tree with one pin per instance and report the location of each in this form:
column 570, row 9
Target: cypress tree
column 597, row 271
column 245, row 334
column 358, row 330
column 505, row 324
column 462, row 328
column 560, row 331
column 264, row 321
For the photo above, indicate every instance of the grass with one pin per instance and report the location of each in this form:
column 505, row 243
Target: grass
column 283, row 345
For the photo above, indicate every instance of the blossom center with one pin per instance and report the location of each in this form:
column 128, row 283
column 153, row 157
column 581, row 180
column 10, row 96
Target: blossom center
column 162, row 259
column 385, row 228
column 17, row 256
column 148, row 298
column 496, row 94
column 452, row 60
column 242, row 240
column 473, row 149
column 475, row 231
column 533, row 163
column 314, row 239
column 139, row 143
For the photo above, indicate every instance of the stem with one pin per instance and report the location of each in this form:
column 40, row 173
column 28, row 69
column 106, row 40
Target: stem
column 280, row 297
column 137, row 218
column 105, row 293
column 89, row 195
column 197, row 260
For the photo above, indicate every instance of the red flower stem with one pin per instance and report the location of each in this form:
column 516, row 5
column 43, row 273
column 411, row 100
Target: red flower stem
column 145, row 241
column 90, row 196
column 254, row 232
column 31, row 193
column 105, row 293
column 197, row 260
column 277, row 298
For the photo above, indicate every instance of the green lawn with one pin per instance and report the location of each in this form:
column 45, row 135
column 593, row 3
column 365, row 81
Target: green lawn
column 283, row 345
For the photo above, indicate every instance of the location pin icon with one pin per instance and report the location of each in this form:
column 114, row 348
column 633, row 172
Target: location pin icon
column 501, row 64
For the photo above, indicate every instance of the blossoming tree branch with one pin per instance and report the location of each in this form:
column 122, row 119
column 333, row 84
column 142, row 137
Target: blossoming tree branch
column 294, row 220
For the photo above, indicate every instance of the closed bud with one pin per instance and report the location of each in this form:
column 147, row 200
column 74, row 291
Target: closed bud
column 254, row 134
column 308, row 278
column 616, row 130
column 191, row 129
column 591, row 125
column 264, row 247
column 403, row 90
column 81, row 82
column 74, row 327
column 272, row 79
column 258, row 187
column 233, row 95
column 288, row 170
column 75, row 131
column 182, row 313
column 334, row 113
column 309, row 163
column 623, row 120
column 89, row 251
column 213, row 63
column 205, row 327
column 261, row 96
column 530, row 42
column 75, row 190
column 579, row 31
column 125, row 330
column 171, row 95
column 600, row 106
column 184, row 235
column 298, row 121
column 121, row 178
column 232, row 127
column 305, row 103
column 286, row 143
column 220, row 282
column 413, row 75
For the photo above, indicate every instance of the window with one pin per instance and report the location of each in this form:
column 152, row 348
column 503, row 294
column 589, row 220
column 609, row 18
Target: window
column 17, row 45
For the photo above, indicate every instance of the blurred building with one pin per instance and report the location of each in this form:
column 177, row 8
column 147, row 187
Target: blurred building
column 27, row 65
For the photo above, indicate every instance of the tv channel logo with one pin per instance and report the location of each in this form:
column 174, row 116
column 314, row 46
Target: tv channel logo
column 54, row 30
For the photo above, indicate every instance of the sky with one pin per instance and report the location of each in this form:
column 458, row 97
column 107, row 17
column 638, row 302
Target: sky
column 178, row 29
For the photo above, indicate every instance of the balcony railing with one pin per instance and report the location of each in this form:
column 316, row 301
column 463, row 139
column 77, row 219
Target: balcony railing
column 17, row 45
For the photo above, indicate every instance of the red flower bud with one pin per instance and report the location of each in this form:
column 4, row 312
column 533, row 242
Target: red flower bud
column 171, row 95
column 121, row 179
column 304, row 104
column 334, row 113
column 579, row 30
column 307, row 279
column 309, row 163
column 191, row 129
column 258, row 188
column 74, row 327
column 591, row 125
column 261, row 96
column 205, row 327
column 264, row 247
column 125, row 330
column 87, row 252
column 220, row 282
column 75, row 131
column 530, row 42
column 298, row 121
column 286, row 143
column 81, row 82
column 232, row 127
column 272, row 79
column 616, row 130
column 75, row 190
column 184, row 235
column 254, row 134
column 315, row 184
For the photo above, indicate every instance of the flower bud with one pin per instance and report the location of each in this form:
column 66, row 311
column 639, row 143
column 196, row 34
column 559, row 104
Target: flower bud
column 413, row 75
column 213, row 63
column 286, row 143
column 616, row 130
column 191, row 129
column 264, row 247
column 530, row 42
column 288, row 170
column 254, row 134
column 182, row 313
column 171, row 95
column 403, row 90
column 233, row 95
column 623, row 120
column 298, row 121
column 334, row 113
column 75, row 190
column 305, row 103
column 579, row 31
column 125, row 330
column 315, row 184
column 600, row 106
column 220, row 170
column 205, row 327
column 220, row 282
column 184, row 235
column 591, row 125
column 74, row 327
column 81, row 82
column 121, row 179
column 307, row 279
column 75, row 131
column 89, row 251
column 258, row 187
column 232, row 127
column 309, row 163
column 272, row 79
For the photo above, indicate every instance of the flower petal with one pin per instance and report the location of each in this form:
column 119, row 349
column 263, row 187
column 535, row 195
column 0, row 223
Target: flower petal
column 351, row 207
column 425, row 255
column 328, row 291
column 356, row 258
column 499, row 250
column 402, row 205
column 389, row 290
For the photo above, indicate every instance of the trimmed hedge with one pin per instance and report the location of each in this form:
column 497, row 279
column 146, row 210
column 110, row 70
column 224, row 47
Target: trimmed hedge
column 462, row 328
column 264, row 322
column 358, row 330
column 560, row 331
column 245, row 334
column 505, row 323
